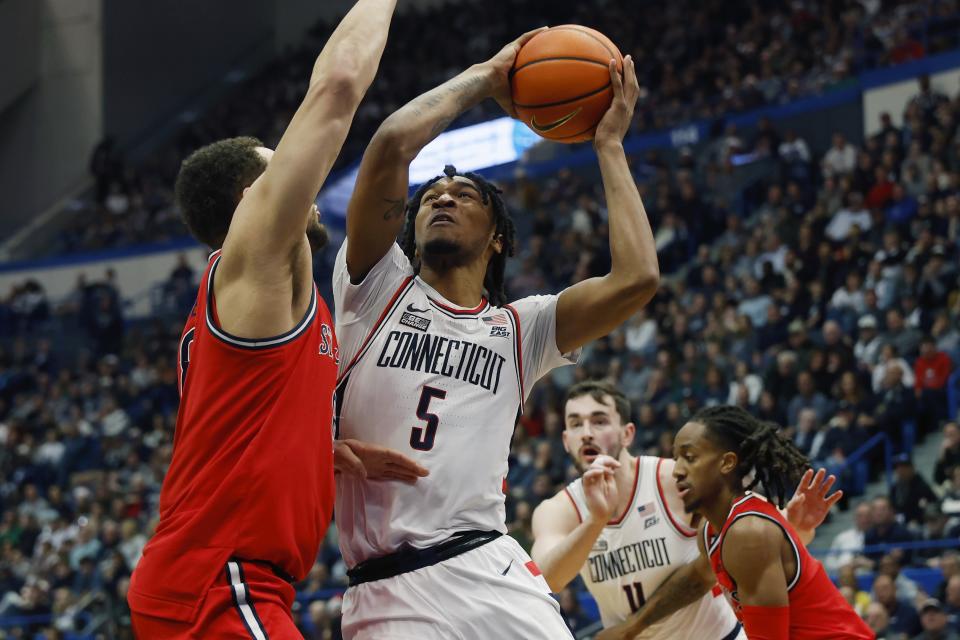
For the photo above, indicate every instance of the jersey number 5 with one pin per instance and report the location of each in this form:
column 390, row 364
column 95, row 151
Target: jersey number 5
column 421, row 438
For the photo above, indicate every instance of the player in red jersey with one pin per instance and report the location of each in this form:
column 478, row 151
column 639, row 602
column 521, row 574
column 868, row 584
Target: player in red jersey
column 249, row 493
column 776, row 588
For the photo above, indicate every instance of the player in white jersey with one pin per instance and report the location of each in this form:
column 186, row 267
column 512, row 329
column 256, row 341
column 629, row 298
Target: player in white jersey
column 623, row 528
column 436, row 363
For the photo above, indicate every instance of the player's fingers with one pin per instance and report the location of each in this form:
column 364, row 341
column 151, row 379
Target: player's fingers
column 399, row 476
column 805, row 480
column 400, row 461
column 616, row 81
column 346, row 461
column 818, row 479
column 630, row 73
column 525, row 38
column 834, row 498
column 824, row 487
column 592, row 476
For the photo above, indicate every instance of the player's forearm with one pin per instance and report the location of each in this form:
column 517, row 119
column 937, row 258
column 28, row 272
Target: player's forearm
column 417, row 123
column 563, row 562
column 632, row 248
column 684, row 587
column 354, row 49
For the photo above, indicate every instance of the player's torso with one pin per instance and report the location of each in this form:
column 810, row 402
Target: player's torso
column 635, row 554
column 817, row 610
column 253, row 444
column 441, row 385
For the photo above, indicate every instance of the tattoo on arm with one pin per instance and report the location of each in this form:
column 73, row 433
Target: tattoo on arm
column 462, row 90
column 395, row 210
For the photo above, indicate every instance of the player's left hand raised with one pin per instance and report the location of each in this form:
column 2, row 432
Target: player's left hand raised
column 500, row 66
column 373, row 462
column 616, row 121
column 810, row 503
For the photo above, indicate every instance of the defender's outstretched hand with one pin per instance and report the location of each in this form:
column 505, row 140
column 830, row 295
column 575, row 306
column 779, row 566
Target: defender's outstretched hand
column 373, row 462
column 810, row 503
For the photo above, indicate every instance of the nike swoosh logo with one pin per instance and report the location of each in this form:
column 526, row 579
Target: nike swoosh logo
column 413, row 309
column 504, row 572
column 556, row 124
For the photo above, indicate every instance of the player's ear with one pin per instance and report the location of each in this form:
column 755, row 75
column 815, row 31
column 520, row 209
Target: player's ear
column 729, row 462
column 497, row 243
column 629, row 433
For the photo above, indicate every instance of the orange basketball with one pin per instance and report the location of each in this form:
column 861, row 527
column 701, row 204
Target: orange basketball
column 561, row 82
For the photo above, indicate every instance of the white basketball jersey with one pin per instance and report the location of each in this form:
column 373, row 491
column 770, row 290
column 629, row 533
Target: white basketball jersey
column 636, row 553
column 442, row 384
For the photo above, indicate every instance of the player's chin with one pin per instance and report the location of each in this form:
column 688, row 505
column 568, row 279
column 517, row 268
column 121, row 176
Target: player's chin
column 690, row 503
column 317, row 236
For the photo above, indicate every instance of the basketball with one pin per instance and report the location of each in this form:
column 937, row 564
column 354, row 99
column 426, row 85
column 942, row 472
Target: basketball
column 561, row 83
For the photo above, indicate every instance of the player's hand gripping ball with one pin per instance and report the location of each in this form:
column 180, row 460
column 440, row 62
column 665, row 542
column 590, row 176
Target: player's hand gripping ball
column 560, row 82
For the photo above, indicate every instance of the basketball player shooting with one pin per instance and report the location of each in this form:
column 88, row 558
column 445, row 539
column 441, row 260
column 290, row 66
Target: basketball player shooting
column 622, row 527
column 249, row 492
column 437, row 363
column 777, row 589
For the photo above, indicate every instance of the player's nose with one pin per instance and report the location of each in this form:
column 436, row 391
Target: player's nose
column 443, row 200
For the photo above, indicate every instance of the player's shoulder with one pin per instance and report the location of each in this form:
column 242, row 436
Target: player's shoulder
column 532, row 304
column 558, row 512
column 753, row 530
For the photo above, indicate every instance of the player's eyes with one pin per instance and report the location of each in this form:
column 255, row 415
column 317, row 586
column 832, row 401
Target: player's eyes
column 430, row 197
column 466, row 194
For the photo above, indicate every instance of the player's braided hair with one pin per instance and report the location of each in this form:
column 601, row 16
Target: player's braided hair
column 760, row 447
column 493, row 281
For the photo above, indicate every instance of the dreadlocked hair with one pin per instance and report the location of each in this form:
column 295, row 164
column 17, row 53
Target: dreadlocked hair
column 493, row 280
column 761, row 450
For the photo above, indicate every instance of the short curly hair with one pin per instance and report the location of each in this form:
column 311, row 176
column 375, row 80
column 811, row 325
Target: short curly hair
column 211, row 182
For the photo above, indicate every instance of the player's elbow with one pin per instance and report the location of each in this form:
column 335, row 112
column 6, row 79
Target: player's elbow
column 392, row 140
column 639, row 288
column 339, row 92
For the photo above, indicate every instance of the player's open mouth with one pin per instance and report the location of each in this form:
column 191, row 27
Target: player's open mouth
column 441, row 218
column 588, row 451
column 683, row 490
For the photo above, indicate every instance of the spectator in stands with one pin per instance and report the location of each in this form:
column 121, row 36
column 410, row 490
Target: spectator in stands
column 841, row 158
column 885, row 529
column 910, row 493
column 889, row 360
column 948, row 457
column 853, row 215
column 867, row 348
column 934, row 621
column 807, row 398
column 572, row 612
column 878, row 620
column 952, row 599
column 903, row 617
column 848, row 544
column 932, row 371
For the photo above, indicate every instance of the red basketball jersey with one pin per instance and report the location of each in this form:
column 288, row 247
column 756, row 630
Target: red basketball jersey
column 817, row 610
column 252, row 469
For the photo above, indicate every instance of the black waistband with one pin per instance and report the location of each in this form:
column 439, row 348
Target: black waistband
column 733, row 634
column 413, row 559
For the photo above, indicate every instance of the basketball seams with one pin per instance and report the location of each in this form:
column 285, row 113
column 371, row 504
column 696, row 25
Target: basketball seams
column 530, row 63
column 616, row 55
column 563, row 102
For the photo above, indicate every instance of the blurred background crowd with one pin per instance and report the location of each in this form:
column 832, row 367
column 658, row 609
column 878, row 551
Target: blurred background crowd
column 824, row 298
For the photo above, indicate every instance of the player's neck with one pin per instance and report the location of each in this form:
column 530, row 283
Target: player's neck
column 625, row 477
column 717, row 511
column 463, row 286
